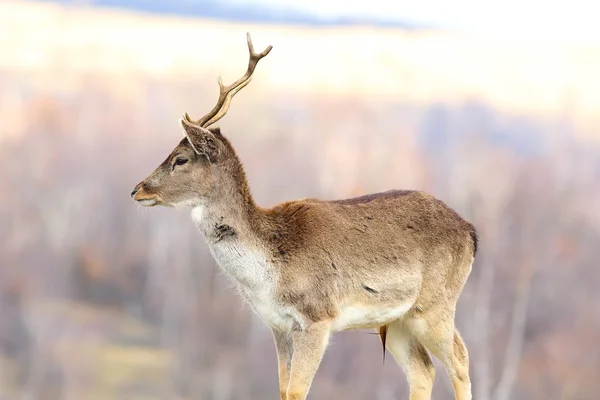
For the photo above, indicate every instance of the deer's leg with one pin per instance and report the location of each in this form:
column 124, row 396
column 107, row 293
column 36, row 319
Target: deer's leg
column 308, row 348
column 444, row 341
column 460, row 365
column 412, row 356
column 283, row 345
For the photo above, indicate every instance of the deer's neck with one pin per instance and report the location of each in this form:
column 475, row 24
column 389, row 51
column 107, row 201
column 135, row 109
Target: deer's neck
column 228, row 220
column 230, row 210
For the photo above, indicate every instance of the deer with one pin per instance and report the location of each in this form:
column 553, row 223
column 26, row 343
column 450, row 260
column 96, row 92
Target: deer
column 394, row 262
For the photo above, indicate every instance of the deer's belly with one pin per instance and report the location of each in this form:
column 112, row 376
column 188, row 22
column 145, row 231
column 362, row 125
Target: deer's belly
column 358, row 316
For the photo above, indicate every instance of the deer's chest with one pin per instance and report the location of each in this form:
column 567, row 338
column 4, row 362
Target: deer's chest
column 276, row 314
column 257, row 280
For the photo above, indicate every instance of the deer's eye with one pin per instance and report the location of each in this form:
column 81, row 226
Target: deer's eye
column 180, row 161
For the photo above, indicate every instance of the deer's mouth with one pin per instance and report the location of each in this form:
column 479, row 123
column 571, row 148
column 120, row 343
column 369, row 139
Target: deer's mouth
column 147, row 202
column 144, row 198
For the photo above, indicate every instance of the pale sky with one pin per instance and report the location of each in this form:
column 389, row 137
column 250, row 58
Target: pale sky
column 549, row 19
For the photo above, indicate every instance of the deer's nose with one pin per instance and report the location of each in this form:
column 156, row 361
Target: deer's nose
column 137, row 188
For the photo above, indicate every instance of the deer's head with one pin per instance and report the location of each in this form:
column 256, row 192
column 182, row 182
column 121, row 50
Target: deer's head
column 200, row 161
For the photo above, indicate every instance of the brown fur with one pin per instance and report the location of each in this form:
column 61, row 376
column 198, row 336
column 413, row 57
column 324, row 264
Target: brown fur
column 383, row 336
column 378, row 250
column 394, row 261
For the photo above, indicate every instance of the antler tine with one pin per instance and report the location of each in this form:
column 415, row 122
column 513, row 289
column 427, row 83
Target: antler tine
column 227, row 101
column 226, row 93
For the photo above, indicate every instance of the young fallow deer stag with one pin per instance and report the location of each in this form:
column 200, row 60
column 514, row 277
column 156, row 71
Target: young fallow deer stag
column 394, row 261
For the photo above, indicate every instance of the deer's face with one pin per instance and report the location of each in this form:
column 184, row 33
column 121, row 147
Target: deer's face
column 197, row 165
column 187, row 176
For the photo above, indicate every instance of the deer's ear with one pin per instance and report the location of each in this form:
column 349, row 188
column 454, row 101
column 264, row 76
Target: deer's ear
column 203, row 141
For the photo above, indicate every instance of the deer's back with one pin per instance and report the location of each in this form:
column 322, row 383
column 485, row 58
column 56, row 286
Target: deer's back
column 408, row 225
column 395, row 244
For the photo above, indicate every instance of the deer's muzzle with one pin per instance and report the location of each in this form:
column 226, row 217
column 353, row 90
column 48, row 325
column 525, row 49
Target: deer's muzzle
column 143, row 196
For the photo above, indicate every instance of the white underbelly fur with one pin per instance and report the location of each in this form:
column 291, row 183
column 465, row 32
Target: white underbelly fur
column 361, row 316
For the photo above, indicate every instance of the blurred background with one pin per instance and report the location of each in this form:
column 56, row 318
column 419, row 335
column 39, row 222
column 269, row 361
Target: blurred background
column 494, row 107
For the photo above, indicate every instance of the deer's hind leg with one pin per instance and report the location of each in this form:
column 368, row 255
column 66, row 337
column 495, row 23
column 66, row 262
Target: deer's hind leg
column 413, row 358
column 437, row 332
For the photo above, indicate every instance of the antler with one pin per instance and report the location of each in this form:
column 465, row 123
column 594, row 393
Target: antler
column 226, row 93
